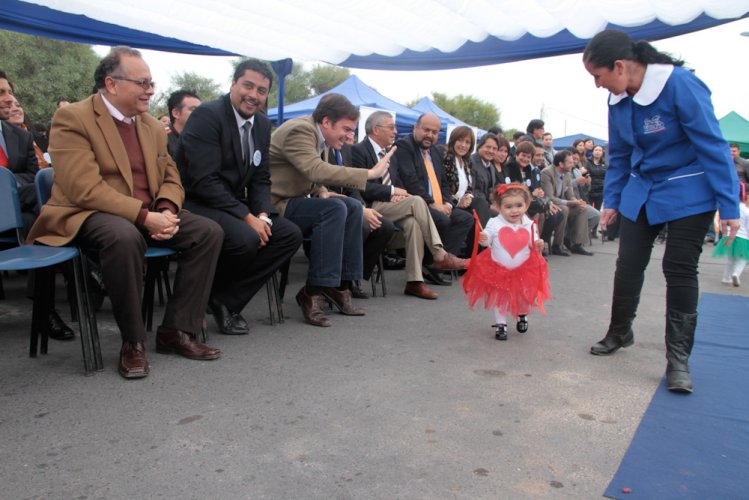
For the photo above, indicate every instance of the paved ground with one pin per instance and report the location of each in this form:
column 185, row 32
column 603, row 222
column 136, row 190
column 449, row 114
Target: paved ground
column 414, row 401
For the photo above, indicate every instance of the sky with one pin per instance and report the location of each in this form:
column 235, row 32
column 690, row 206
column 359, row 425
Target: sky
column 556, row 89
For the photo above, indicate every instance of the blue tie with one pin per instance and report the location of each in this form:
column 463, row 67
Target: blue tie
column 338, row 157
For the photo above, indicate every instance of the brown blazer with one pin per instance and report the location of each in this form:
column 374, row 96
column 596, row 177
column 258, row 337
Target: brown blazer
column 92, row 170
column 296, row 167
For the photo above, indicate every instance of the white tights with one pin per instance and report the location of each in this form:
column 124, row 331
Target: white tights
column 733, row 266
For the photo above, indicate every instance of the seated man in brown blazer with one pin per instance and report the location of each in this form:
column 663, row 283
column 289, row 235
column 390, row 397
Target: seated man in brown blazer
column 118, row 191
column 556, row 181
column 299, row 167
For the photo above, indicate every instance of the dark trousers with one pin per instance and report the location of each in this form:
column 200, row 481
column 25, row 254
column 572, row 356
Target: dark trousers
column 680, row 260
column 375, row 243
column 243, row 267
column 453, row 229
column 334, row 228
column 121, row 247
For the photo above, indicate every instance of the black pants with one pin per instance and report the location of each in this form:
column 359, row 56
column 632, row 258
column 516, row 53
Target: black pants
column 680, row 260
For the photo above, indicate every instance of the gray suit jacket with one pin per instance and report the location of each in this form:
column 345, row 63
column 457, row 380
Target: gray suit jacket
column 296, row 168
column 549, row 181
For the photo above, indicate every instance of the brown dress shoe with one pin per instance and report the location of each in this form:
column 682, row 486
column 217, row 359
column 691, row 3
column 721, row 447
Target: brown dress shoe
column 341, row 299
column 451, row 263
column 133, row 362
column 170, row 341
column 419, row 289
column 312, row 308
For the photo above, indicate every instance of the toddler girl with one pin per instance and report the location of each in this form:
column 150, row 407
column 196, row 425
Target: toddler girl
column 512, row 277
column 738, row 251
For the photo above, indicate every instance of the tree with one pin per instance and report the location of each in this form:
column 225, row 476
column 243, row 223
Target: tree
column 324, row 77
column 44, row 70
column 206, row 88
column 470, row 109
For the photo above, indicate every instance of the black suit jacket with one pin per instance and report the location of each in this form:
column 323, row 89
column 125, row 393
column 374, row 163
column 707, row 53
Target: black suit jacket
column 209, row 157
column 22, row 162
column 413, row 173
column 363, row 156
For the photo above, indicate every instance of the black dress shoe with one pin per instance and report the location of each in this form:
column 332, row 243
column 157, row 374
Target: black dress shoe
column 357, row 292
column 394, row 262
column 557, row 250
column 58, row 330
column 579, row 250
column 432, row 276
column 229, row 323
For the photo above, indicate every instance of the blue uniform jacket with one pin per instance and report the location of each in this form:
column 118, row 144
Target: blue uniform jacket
column 666, row 151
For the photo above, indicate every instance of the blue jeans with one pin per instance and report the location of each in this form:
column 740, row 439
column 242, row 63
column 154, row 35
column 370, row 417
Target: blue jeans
column 334, row 229
column 683, row 249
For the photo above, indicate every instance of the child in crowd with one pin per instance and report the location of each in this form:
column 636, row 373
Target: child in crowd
column 738, row 251
column 512, row 277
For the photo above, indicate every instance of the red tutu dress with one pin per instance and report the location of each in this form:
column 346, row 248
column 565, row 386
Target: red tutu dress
column 511, row 275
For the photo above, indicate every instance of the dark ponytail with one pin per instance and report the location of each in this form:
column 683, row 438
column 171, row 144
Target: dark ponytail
column 609, row 46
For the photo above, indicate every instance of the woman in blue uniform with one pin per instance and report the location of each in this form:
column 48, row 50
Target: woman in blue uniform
column 668, row 163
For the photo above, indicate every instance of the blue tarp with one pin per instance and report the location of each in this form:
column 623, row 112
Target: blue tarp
column 43, row 21
column 567, row 140
column 360, row 94
column 492, row 50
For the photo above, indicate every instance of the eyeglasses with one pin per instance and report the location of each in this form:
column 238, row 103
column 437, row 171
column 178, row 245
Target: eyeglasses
column 143, row 83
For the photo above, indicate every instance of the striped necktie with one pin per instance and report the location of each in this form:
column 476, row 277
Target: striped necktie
column 386, row 176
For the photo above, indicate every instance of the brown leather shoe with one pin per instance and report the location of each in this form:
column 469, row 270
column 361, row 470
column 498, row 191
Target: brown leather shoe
column 419, row 289
column 451, row 263
column 341, row 299
column 170, row 341
column 312, row 308
column 133, row 362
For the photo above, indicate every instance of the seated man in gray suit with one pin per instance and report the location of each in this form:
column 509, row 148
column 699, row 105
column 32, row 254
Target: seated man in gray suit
column 556, row 181
column 299, row 166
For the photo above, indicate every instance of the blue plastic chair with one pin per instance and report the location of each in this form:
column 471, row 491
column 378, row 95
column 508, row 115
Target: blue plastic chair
column 42, row 259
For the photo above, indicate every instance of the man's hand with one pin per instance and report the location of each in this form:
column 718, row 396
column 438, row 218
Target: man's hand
column 576, row 203
column 260, row 227
column 400, row 192
column 161, row 225
column 373, row 218
column 553, row 208
column 379, row 169
column 397, row 197
column 331, row 194
column 442, row 208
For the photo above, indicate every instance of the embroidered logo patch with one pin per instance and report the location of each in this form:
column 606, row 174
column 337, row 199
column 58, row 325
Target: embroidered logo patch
column 653, row 125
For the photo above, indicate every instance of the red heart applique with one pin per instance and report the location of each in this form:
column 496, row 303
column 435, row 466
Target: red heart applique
column 513, row 241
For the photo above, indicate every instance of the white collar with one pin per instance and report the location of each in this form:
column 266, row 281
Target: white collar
column 241, row 121
column 653, row 82
column 377, row 148
column 321, row 137
column 116, row 113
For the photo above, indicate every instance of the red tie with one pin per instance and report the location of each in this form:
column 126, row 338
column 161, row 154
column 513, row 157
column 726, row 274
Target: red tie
column 3, row 158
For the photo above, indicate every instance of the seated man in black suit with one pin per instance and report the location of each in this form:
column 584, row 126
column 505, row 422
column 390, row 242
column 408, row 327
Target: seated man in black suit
column 376, row 229
column 419, row 163
column 17, row 154
column 180, row 105
column 224, row 162
column 410, row 213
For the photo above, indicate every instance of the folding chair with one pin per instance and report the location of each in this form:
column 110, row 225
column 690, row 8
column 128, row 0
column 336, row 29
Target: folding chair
column 42, row 259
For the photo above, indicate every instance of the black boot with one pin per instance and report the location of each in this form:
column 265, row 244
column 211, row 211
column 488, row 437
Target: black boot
column 679, row 341
column 623, row 310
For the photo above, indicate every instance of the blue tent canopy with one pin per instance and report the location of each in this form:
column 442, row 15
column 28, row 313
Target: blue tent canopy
column 426, row 105
column 142, row 25
column 360, row 94
column 567, row 140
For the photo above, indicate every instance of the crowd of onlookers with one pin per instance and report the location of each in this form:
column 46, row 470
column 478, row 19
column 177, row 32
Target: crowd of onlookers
column 236, row 200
